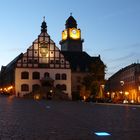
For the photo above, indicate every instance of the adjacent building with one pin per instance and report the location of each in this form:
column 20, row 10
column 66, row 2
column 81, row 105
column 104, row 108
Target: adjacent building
column 125, row 84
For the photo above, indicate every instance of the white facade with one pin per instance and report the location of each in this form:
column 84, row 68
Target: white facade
column 42, row 57
column 31, row 81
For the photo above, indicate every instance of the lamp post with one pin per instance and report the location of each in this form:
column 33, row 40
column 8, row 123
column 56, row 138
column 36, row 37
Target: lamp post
column 139, row 93
column 122, row 88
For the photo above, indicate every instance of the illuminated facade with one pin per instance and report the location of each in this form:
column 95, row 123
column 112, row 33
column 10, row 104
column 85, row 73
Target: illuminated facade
column 42, row 61
column 125, row 84
column 71, row 37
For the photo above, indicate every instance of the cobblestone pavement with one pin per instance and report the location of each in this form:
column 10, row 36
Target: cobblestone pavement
column 26, row 119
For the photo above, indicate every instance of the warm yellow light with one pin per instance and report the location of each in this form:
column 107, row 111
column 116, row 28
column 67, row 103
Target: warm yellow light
column 126, row 93
column 64, row 35
column 75, row 33
column 132, row 101
column 36, row 97
column 139, row 88
column 121, row 92
column 84, row 98
column 108, row 93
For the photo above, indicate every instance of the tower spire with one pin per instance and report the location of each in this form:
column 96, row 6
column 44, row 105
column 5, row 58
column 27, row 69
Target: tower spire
column 44, row 25
column 44, row 18
column 71, row 22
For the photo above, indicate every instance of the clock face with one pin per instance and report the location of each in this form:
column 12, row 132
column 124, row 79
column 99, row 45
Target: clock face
column 74, row 31
column 64, row 35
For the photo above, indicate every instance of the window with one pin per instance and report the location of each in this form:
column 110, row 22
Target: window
column 35, row 87
column 24, row 87
column 58, row 86
column 36, row 75
column 57, row 76
column 46, row 74
column 57, row 61
column 52, row 61
column 64, row 76
column 24, row 75
column 63, row 87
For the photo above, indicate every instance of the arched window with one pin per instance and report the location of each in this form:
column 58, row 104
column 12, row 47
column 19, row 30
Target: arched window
column 35, row 87
column 57, row 76
column 63, row 87
column 24, row 87
column 64, row 76
column 36, row 75
column 58, row 86
column 24, row 75
column 46, row 74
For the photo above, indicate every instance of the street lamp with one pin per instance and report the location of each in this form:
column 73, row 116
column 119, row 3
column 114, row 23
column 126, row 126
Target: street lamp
column 122, row 83
column 122, row 90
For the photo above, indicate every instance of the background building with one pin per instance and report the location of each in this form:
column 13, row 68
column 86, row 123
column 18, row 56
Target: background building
column 125, row 84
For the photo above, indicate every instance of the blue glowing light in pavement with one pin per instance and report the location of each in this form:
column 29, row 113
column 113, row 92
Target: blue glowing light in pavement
column 102, row 134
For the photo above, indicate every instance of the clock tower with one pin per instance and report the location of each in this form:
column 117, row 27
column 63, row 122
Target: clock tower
column 71, row 37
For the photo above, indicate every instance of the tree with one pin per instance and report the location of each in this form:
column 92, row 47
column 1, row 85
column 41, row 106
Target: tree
column 95, row 78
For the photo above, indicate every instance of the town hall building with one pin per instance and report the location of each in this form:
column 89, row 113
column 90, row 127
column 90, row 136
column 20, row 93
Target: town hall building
column 45, row 66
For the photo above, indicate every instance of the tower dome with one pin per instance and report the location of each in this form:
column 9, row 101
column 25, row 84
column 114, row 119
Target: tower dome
column 71, row 22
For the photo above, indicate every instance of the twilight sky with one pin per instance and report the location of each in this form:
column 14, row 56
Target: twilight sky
column 110, row 28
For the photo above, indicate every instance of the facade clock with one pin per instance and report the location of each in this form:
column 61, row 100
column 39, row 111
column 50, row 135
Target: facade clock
column 43, row 49
column 64, row 35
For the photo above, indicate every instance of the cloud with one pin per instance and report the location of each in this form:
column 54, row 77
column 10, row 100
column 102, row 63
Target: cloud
column 122, row 58
column 135, row 45
column 131, row 46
